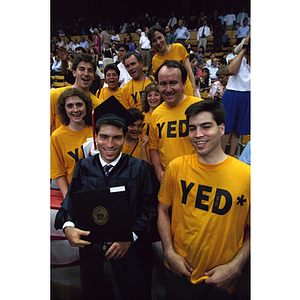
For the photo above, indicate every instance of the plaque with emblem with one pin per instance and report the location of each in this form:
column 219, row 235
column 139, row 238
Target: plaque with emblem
column 104, row 212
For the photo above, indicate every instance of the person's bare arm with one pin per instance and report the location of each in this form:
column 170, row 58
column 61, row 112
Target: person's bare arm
column 154, row 155
column 63, row 185
column 223, row 276
column 177, row 263
column 63, row 55
column 188, row 68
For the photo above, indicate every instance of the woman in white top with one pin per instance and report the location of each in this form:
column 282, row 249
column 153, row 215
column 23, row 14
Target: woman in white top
column 236, row 99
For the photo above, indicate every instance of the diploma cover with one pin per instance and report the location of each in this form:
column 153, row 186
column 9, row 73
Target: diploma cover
column 104, row 212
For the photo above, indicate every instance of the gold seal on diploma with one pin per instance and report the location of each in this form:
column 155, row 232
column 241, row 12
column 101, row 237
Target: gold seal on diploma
column 100, row 215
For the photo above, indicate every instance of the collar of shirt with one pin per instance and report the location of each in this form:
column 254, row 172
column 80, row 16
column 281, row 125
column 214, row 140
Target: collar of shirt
column 113, row 163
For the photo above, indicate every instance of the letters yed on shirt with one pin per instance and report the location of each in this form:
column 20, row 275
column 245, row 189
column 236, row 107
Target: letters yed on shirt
column 202, row 199
column 174, row 129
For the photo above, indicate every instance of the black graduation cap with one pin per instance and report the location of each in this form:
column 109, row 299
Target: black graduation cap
column 110, row 109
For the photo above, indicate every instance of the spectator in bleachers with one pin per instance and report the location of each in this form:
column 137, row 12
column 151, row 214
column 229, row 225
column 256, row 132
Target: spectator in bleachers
column 135, row 144
column 107, row 54
column 181, row 34
column 189, row 48
column 66, row 141
column 170, row 36
column 150, row 100
column 230, row 20
column 124, row 75
column 56, row 66
column 83, row 43
column 209, row 62
column 112, row 74
column 115, row 38
column 105, row 37
column 218, row 32
column 203, row 34
column 220, row 84
column 240, row 17
column 98, row 41
column 201, row 53
column 242, row 32
column 128, row 41
column 236, row 99
column 205, row 81
column 193, row 63
column 176, row 51
column 68, row 44
column 132, row 91
column 173, row 21
column 200, row 66
column 222, row 62
column 231, row 55
column 213, row 70
column 75, row 45
column 83, row 70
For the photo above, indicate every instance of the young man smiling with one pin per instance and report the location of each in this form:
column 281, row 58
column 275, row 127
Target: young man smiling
column 130, row 257
column 83, row 69
column 206, row 243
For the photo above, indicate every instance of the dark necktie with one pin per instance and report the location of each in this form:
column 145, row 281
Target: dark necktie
column 203, row 32
column 106, row 169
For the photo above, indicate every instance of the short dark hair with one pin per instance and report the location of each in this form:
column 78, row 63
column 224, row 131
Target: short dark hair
column 173, row 64
column 88, row 58
column 111, row 122
column 60, row 104
column 111, row 67
column 137, row 114
column 215, row 107
column 152, row 31
column 136, row 54
column 125, row 46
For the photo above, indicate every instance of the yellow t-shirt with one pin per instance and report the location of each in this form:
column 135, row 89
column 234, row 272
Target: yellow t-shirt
column 66, row 150
column 169, row 133
column 54, row 95
column 137, row 153
column 146, row 123
column 105, row 94
column 132, row 93
column 178, row 53
column 210, row 207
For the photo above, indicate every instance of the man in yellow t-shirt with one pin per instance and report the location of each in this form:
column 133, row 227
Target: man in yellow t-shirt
column 168, row 134
column 84, row 66
column 206, row 241
column 133, row 90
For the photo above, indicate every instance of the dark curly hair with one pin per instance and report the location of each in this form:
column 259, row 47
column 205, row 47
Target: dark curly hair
column 60, row 104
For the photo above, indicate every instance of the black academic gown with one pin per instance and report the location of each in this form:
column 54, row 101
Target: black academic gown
column 133, row 271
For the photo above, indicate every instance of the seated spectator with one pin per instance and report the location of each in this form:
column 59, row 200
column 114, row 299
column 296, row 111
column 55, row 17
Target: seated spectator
column 222, row 62
column 170, row 36
column 219, row 86
column 107, row 54
column 200, row 66
column 193, row 63
column 242, row 32
column 205, row 81
column 189, row 48
column 66, row 141
column 201, row 54
column 115, row 38
column 56, row 66
column 83, row 43
column 231, row 55
column 134, row 145
column 112, row 74
column 209, row 62
column 213, row 70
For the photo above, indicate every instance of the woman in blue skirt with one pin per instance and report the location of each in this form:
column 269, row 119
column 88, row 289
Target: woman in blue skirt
column 236, row 99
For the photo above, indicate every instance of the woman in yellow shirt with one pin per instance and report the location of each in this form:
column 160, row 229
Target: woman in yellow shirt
column 157, row 37
column 150, row 100
column 112, row 74
column 67, row 140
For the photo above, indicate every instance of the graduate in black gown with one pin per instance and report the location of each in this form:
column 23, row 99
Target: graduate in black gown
column 131, row 260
